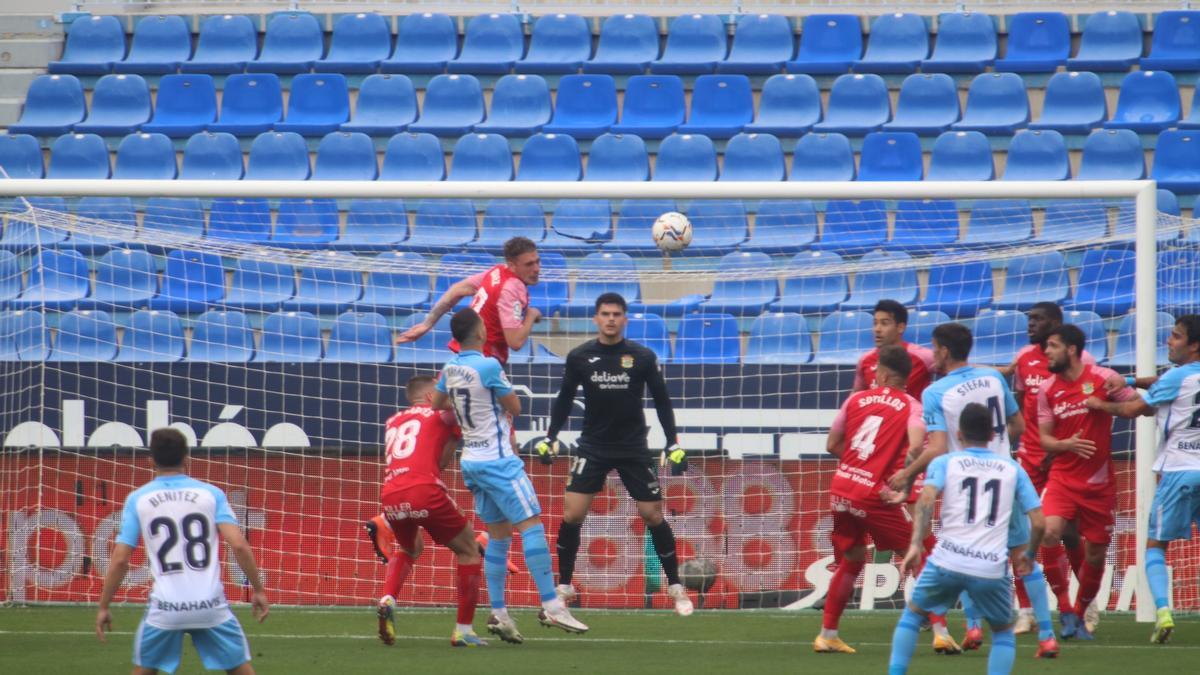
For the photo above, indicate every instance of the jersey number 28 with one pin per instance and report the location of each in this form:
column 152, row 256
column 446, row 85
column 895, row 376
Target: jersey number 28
column 402, row 440
column 196, row 550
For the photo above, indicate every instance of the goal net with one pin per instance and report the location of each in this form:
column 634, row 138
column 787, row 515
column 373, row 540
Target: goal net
column 260, row 320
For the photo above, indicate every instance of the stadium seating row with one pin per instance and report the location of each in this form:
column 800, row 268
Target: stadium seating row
column 585, row 106
column 629, row 44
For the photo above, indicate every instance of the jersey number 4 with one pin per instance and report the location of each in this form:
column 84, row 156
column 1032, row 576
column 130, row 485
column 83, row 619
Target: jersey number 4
column 196, row 550
column 970, row 485
column 864, row 439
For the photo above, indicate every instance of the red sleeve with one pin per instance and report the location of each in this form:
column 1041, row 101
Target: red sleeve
column 1045, row 414
column 1122, row 394
column 514, row 298
column 916, row 414
column 839, row 422
column 450, row 421
column 859, row 381
column 1018, row 381
column 1089, row 360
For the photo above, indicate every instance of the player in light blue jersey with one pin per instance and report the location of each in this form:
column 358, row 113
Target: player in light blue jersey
column 475, row 388
column 1175, row 399
column 179, row 518
column 985, row 498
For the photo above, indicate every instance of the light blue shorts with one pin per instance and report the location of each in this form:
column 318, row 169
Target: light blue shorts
column 1176, row 506
column 937, row 591
column 501, row 489
column 221, row 647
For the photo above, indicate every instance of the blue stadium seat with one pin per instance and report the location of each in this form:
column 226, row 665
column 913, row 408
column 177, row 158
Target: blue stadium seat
column 898, row 43
column 318, row 104
column 762, row 43
column 1093, row 330
column 22, row 235
column 890, row 156
column 1112, row 154
column 278, row 155
column 120, row 104
column 259, row 285
column 653, row 106
column 429, row 348
column 424, row 44
column 53, row 104
column 650, row 330
column 550, row 157
column 783, row 226
column 1124, row 354
column 959, row 289
column 610, row 266
column 192, row 281
column 24, row 336
column 359, row 337
column 464, row 265
column 226, row 44
column 788, row 106
column 325, row 290
column 578, row 225
column 826, row 157
column 57, row 280
column 1148, row 103
column 961, row 155
column 928, row 105
column 481, row 157
column 493, row 42
column 707, row 338
column 453, row 104
column 360, row 41
column 209, row 156
column 999, row 222
column 1037, row 155
column 507, row 218
column 374, row 225
column 113, row 210
column 627, row 45
column 754, row 157
column 251, row 103
column 520, row 106
column 85, row 335
column 1105, row 283
column 999, row 336
column 21, row 156
column 858, row 105
column 1074, row 104
column 696, row 43
column 721, row 106
column 1111, row 42
column 392, row 293
column 185, row 105
column 125, row 280
column 1177, row 162
column 223, row 337
column 618, row 157
column 559, row 44
column 686, row 157
column 542, row 355
column 443, row 225
column 779, row 338
column 292, row 43
column 306, row 223
column 921, row 325
column 79, row 156
column 966, row 43
column 635, row 218
column 844, row 336
column 93, row 44
column 584, row 107
column 244, row 220
column 290, row 337
column 872, row 286
column 1034, row 278
column 721, row 225
column 1038, row 42
column 1192, row 121
column 1176, row 43
column 160, row 44
column 387, row 104
column 412, row 156
column 346, row 155
column 996, row 104
column 829, row 43
column 553, row 287
column 925, row 227
column 813, row 294
column 174, row 217
column 152, row 336
column 145, row 157
column 1178, row 275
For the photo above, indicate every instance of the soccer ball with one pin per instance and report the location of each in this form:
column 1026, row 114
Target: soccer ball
column 698, row 574
column 672, row 232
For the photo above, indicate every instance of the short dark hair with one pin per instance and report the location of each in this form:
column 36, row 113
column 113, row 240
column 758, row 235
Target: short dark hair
column 462, row 324
column 975, row 423
column 518, row 246
column 611, row 299
column 898, row 311
column 896, row 359
column 1052, row 310
column 1191, row 327
column 955, row 337
column 168, row 448
column 1072, row 336
column 417, row 384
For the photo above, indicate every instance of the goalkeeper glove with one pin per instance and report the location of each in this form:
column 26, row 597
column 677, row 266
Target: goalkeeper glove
column 676, row 457
column 547, row 450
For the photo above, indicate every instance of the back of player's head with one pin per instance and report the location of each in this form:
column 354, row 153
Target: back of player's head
column 611, row 299
column 975, row 424
column 1071, row 336
column 1190, row 323
column 898, row 311
column 462, row 324
column 517, row 246
column 168, row 448
column 956, row 338
column 417, row 387
column 896, row 359
column 1050, row 309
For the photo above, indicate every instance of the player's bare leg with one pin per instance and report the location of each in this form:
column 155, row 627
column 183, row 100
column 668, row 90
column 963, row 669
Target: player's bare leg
column 576, row 506
column 469, row 574
column 244, row 669
column 664, row 545
column 840, row 588
column 399, row 566
column 537, row 559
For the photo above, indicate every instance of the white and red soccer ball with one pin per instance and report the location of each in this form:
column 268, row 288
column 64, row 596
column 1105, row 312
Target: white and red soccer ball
column 672, row 232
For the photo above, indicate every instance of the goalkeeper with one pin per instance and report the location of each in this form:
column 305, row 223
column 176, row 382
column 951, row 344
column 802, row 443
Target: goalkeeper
column 614, row 373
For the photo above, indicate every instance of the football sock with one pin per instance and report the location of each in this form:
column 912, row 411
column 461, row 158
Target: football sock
column 1076, row 555
column 1156, row 574
column 664, row 546
column 1035, row 586
column 398, row 569
column 495, row 568
column 1022, row 594
column 881, row 557
column 1004, row 652
column 974, row 618
column 840, row 589
column 537, row 559
column 1089, row 586
column 567, row 546
column 468, row 593
column 1056, row 575
column 904, row 642
column 464, row 628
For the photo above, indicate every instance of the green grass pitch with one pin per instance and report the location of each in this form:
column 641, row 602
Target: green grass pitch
column 342, row 642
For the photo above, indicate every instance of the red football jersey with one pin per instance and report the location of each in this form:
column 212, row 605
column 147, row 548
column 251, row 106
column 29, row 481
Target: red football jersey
column 414, row 440
column 486, row 304
column 875, row 423
column 1061, row 402
column 919, row 378
column 1032, row 371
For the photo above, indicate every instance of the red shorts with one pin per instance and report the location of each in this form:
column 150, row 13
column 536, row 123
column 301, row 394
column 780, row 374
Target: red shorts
column 429, row 506
column 889, row 526
column 1093, row 510
column 1037, row 474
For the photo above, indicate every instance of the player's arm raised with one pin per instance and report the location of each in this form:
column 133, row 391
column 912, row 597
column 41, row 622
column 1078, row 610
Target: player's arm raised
column 118, row 567
column 449, row 299
column 244, row 556
column 516, row 337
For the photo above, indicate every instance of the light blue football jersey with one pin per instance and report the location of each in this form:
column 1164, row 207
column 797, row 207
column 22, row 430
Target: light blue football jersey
column 475, row 384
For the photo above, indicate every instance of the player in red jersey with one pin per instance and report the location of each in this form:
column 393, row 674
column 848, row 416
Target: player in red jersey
column 420, row 443
column 891, row 318
column 874, row 432
column 501, row 298
column 1081, row 484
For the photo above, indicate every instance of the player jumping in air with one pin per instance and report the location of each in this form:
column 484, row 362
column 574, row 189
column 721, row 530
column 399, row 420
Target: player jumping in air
column 179, row 518
column 420, row 443
column 985, row 497
column 1175, row 399
column 484, row 402
column 614, row 373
